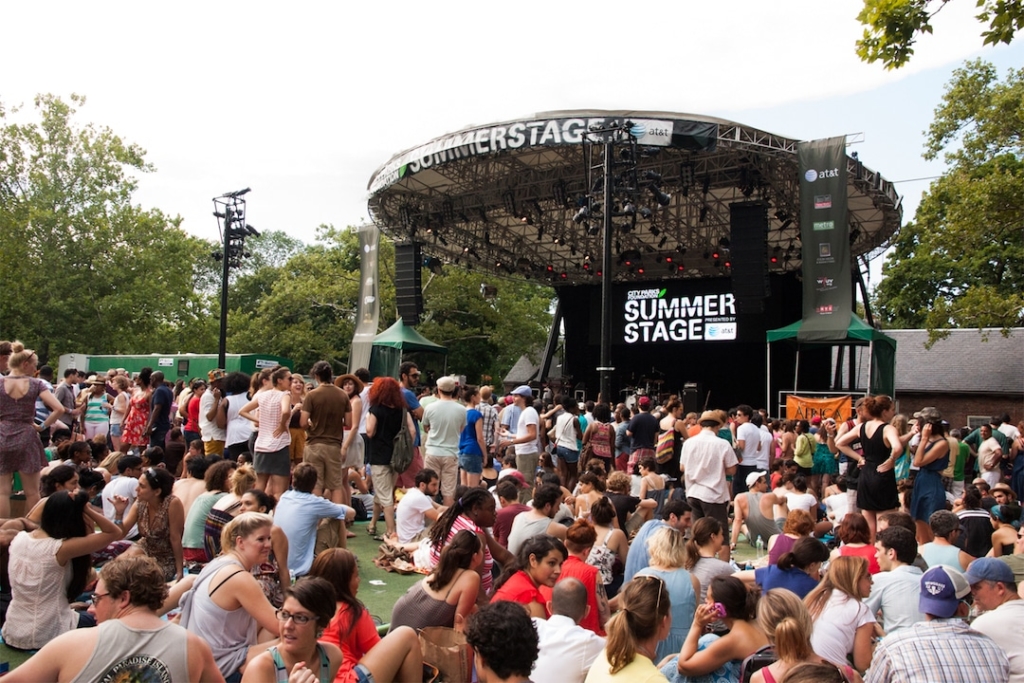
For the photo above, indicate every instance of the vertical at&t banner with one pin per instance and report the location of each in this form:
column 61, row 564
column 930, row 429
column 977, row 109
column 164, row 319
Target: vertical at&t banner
column 825, row 235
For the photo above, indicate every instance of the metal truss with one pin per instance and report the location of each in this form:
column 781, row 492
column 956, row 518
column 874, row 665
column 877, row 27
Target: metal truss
column 509, row 213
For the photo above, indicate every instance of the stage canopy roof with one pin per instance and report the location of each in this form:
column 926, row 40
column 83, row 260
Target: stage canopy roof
column 500, row 198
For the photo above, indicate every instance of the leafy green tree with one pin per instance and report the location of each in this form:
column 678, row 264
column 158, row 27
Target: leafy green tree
column 961, row 262
column 308, row 310
column 484, row 335
column 82, row 268
column 892, row 26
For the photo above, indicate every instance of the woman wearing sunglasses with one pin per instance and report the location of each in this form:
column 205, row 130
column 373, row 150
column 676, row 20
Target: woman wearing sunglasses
column 308, row 609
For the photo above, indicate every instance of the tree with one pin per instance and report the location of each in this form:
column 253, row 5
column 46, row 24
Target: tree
column 83, row 269
column 308, row 310
column 484, row 336
column 892, row 26
column 961, row 262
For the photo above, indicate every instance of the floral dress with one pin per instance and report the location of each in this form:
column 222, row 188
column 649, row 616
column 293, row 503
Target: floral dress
column 135, row 421
column 155, row 536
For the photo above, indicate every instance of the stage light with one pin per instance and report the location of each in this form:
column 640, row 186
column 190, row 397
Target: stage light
column 854, row 234
column 646, row 213
column 776, row 253
column 717, row 263
column 703, row 213
column 540, row 233
column 653, row 176
column 640, row 270
column 706, row 255
column 631, row 256
column 662, row 241
column 581, row 215
column 728, row 264
column 593, row 229
column 660, row 197
column 715, row 254
column 442, row 239
column 487, row 236
column 680, row 249
column 668, row 259
column 786, row 223
column 723, row 242
column 629, row 209
column 550, row 268
column 707, row 184
column 597, row 274
column 655, row 231
column 564, row 275
column 524, row 264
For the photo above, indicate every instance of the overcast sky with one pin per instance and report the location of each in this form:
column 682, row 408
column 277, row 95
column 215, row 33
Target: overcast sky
column 303, row 101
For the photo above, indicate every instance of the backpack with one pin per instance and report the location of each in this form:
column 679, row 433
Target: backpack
column 402, row 448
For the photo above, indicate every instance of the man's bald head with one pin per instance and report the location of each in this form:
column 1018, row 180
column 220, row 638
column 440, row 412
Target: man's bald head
column 569, row 599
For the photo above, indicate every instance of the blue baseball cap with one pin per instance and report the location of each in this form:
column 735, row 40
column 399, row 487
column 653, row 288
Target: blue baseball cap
column 989, row 569
column 942, row 589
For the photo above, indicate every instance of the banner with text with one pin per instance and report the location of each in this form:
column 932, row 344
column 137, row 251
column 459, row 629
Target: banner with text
column 839, row 408
column 825, row 235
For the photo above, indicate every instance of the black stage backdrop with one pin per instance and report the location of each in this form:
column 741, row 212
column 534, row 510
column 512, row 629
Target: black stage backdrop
column 686, row 332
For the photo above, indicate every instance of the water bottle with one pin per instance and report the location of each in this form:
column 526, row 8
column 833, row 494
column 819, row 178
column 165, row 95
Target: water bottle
column 760, row 547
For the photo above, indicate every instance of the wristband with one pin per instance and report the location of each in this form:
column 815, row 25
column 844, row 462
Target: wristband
column 118, row 521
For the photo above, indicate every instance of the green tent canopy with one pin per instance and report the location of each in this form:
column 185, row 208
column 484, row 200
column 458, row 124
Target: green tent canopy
column 392, row 343
column 858, row 333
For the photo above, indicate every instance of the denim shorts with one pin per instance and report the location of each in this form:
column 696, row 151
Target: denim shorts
column 363, row 674
column 469, row 462
column 567, row 455
column 116, row 429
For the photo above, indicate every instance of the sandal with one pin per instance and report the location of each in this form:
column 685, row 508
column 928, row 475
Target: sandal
column 371, row 530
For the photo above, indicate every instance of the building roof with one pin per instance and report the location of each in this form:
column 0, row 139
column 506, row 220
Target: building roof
column 967, row 361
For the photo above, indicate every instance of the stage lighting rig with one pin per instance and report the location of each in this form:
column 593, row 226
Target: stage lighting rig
column 229, row 210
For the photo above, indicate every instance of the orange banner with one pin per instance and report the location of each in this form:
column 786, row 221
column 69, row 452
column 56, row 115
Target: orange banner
column 839, row 408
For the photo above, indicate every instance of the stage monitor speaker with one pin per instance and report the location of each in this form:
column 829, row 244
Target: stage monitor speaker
column 748, row 251
column 692, row 398
column 408, row 282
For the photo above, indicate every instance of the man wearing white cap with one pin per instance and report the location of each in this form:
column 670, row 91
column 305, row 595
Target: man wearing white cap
column 525, row 437
column 755, row 510
column 994, row 588
column 943, row 648
column 706, row 461
column 443, row 421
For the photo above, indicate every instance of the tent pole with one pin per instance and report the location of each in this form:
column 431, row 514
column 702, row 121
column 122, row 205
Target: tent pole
column 796, row 369
column 768, row 374
column 871, row 363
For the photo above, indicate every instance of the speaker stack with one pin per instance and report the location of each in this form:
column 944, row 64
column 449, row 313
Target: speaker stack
column 748, row 251
column 408, row 282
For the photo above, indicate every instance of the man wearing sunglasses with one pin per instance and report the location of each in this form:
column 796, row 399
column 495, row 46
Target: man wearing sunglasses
column 130, row 642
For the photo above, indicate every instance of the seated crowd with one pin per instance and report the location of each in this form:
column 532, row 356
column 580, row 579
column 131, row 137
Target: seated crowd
column 566, row 542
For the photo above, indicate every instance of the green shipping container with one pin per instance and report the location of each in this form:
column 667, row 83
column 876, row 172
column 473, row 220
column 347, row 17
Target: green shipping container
column 185, row 366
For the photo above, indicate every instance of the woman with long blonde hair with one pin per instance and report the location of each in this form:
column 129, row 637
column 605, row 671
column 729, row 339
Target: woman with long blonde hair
column 634, row 632
column 843, row 625
column 786, row 622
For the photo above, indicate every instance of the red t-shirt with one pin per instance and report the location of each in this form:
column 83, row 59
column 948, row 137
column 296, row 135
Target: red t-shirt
column 521, row 588
column 503, row 521
column 354, row 643
column 192, row 423
column 574, row 568
column 867, row 552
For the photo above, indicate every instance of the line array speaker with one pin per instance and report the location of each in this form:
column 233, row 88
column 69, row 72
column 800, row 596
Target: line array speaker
column 748, row 250
column 408, row 282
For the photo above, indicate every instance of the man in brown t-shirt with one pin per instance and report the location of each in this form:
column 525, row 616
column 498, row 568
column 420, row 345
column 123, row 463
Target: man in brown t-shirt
column 326, row 414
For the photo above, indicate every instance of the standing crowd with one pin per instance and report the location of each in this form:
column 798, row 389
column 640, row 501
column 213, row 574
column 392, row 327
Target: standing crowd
column 567, row 541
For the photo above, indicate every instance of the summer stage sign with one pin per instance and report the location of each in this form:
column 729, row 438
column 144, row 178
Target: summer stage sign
column 654, row 315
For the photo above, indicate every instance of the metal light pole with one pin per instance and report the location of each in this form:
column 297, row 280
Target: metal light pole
column 229, row 209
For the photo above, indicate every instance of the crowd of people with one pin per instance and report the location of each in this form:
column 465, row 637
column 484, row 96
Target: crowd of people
column 567, row 541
